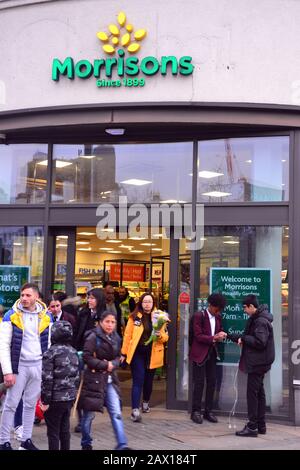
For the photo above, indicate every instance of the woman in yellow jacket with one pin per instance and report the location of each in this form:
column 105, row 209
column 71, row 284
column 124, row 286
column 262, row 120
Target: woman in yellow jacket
column 143, row 359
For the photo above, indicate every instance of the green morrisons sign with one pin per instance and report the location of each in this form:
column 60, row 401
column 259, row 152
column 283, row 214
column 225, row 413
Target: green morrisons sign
column 11, row 280
column 235, row 284
column 119, row 37
column 128, row 69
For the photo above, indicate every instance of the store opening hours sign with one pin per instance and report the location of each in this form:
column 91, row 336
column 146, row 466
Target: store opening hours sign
column 235, row 284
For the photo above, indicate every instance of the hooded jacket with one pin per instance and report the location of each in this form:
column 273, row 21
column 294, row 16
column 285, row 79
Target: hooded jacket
column 99, row 349
column 60, row 370
column 12, row 332
column 258, row 351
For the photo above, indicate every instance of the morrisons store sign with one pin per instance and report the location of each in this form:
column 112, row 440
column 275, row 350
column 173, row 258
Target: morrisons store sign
column 121, row 70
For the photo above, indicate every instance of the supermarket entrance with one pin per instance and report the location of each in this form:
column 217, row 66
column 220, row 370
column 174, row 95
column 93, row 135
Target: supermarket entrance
column 138, row 264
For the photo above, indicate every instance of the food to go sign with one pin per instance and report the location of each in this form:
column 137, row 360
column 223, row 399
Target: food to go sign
column 235, row 284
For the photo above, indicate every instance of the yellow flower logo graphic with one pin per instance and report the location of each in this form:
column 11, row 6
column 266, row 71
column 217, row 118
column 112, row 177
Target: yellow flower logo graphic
column 121, row 35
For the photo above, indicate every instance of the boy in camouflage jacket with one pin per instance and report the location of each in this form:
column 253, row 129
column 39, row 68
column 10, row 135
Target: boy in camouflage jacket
column 60, row 380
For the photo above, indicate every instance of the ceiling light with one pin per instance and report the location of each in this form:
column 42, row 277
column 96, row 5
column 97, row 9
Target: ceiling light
column 86, row 233
column 115, row 131
column 231, row 242
column 111, row 230
column 84, row 249
column 115, row 251
column 283, row 161
column 62, row 164
column 248, row 161
column 209, row 174
column 62, row 237
column 173, row 201
column 148, row 244
column 126, row 246
column 58, row 163
column 137, row 251
column 61, row 245
column 137, row 238
column 216, row 194
column 17, row 244
column 80, row 242
column 136, row 182
column 113, row 241
column 88, row 157
column 156, row 249
column 106, row 249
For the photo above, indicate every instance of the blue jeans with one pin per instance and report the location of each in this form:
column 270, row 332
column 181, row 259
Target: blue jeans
column 113, row 405
column 142, row 377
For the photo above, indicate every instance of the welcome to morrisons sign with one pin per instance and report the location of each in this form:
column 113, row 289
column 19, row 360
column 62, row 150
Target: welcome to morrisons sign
column 127, row 69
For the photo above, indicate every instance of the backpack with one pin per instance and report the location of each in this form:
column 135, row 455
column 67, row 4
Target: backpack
column 191, row 325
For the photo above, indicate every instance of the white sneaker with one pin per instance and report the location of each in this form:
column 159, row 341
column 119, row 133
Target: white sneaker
column 18, row 432
column 136, row 415
column 145, row 407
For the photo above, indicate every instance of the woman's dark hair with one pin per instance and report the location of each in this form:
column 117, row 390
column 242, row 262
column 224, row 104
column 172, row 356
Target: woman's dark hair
column 139, row 305
column 98, row 294
column 106, row 314
column 54, row 298
column 60, row 296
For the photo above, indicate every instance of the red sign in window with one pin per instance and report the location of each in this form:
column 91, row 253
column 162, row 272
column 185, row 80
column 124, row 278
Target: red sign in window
column 130, row 273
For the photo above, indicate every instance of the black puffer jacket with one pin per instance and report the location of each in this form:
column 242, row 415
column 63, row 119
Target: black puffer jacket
column 60, row 370
column 98, row 350
column 258, row 351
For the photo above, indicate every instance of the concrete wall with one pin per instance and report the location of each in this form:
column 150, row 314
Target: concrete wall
column 242, row 51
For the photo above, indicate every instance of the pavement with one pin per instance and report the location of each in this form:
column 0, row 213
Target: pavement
column 163, row 429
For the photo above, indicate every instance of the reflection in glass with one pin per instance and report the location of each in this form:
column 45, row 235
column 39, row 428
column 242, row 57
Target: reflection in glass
column 243, row 169
column 23, row 246
column 23, row 173
column 252, row 247
column 103, row 173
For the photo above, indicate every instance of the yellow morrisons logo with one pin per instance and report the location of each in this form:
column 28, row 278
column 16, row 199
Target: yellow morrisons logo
column 121, row 34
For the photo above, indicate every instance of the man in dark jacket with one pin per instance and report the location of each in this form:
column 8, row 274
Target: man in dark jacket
column 258, row 354
column 60, row 380
column 207, row 332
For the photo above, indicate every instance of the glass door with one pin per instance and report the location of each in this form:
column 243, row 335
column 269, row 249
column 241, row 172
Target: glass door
column 62, row 242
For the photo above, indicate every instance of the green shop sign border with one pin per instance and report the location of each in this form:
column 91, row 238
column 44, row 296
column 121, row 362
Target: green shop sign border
column 123, row 67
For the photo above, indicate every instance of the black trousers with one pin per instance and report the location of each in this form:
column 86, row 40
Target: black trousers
column 256, row 401
column 57, row 418
column 208, row 371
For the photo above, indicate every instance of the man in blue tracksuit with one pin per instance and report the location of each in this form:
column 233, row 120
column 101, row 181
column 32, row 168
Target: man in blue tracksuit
column 24, row 336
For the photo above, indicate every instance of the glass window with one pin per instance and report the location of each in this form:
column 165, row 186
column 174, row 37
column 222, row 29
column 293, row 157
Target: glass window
column 242, row 254
column 182, row 356
column 23, row 173
column 23, row 246
column 142, row 172
column 243, row 169
column 60, row 266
